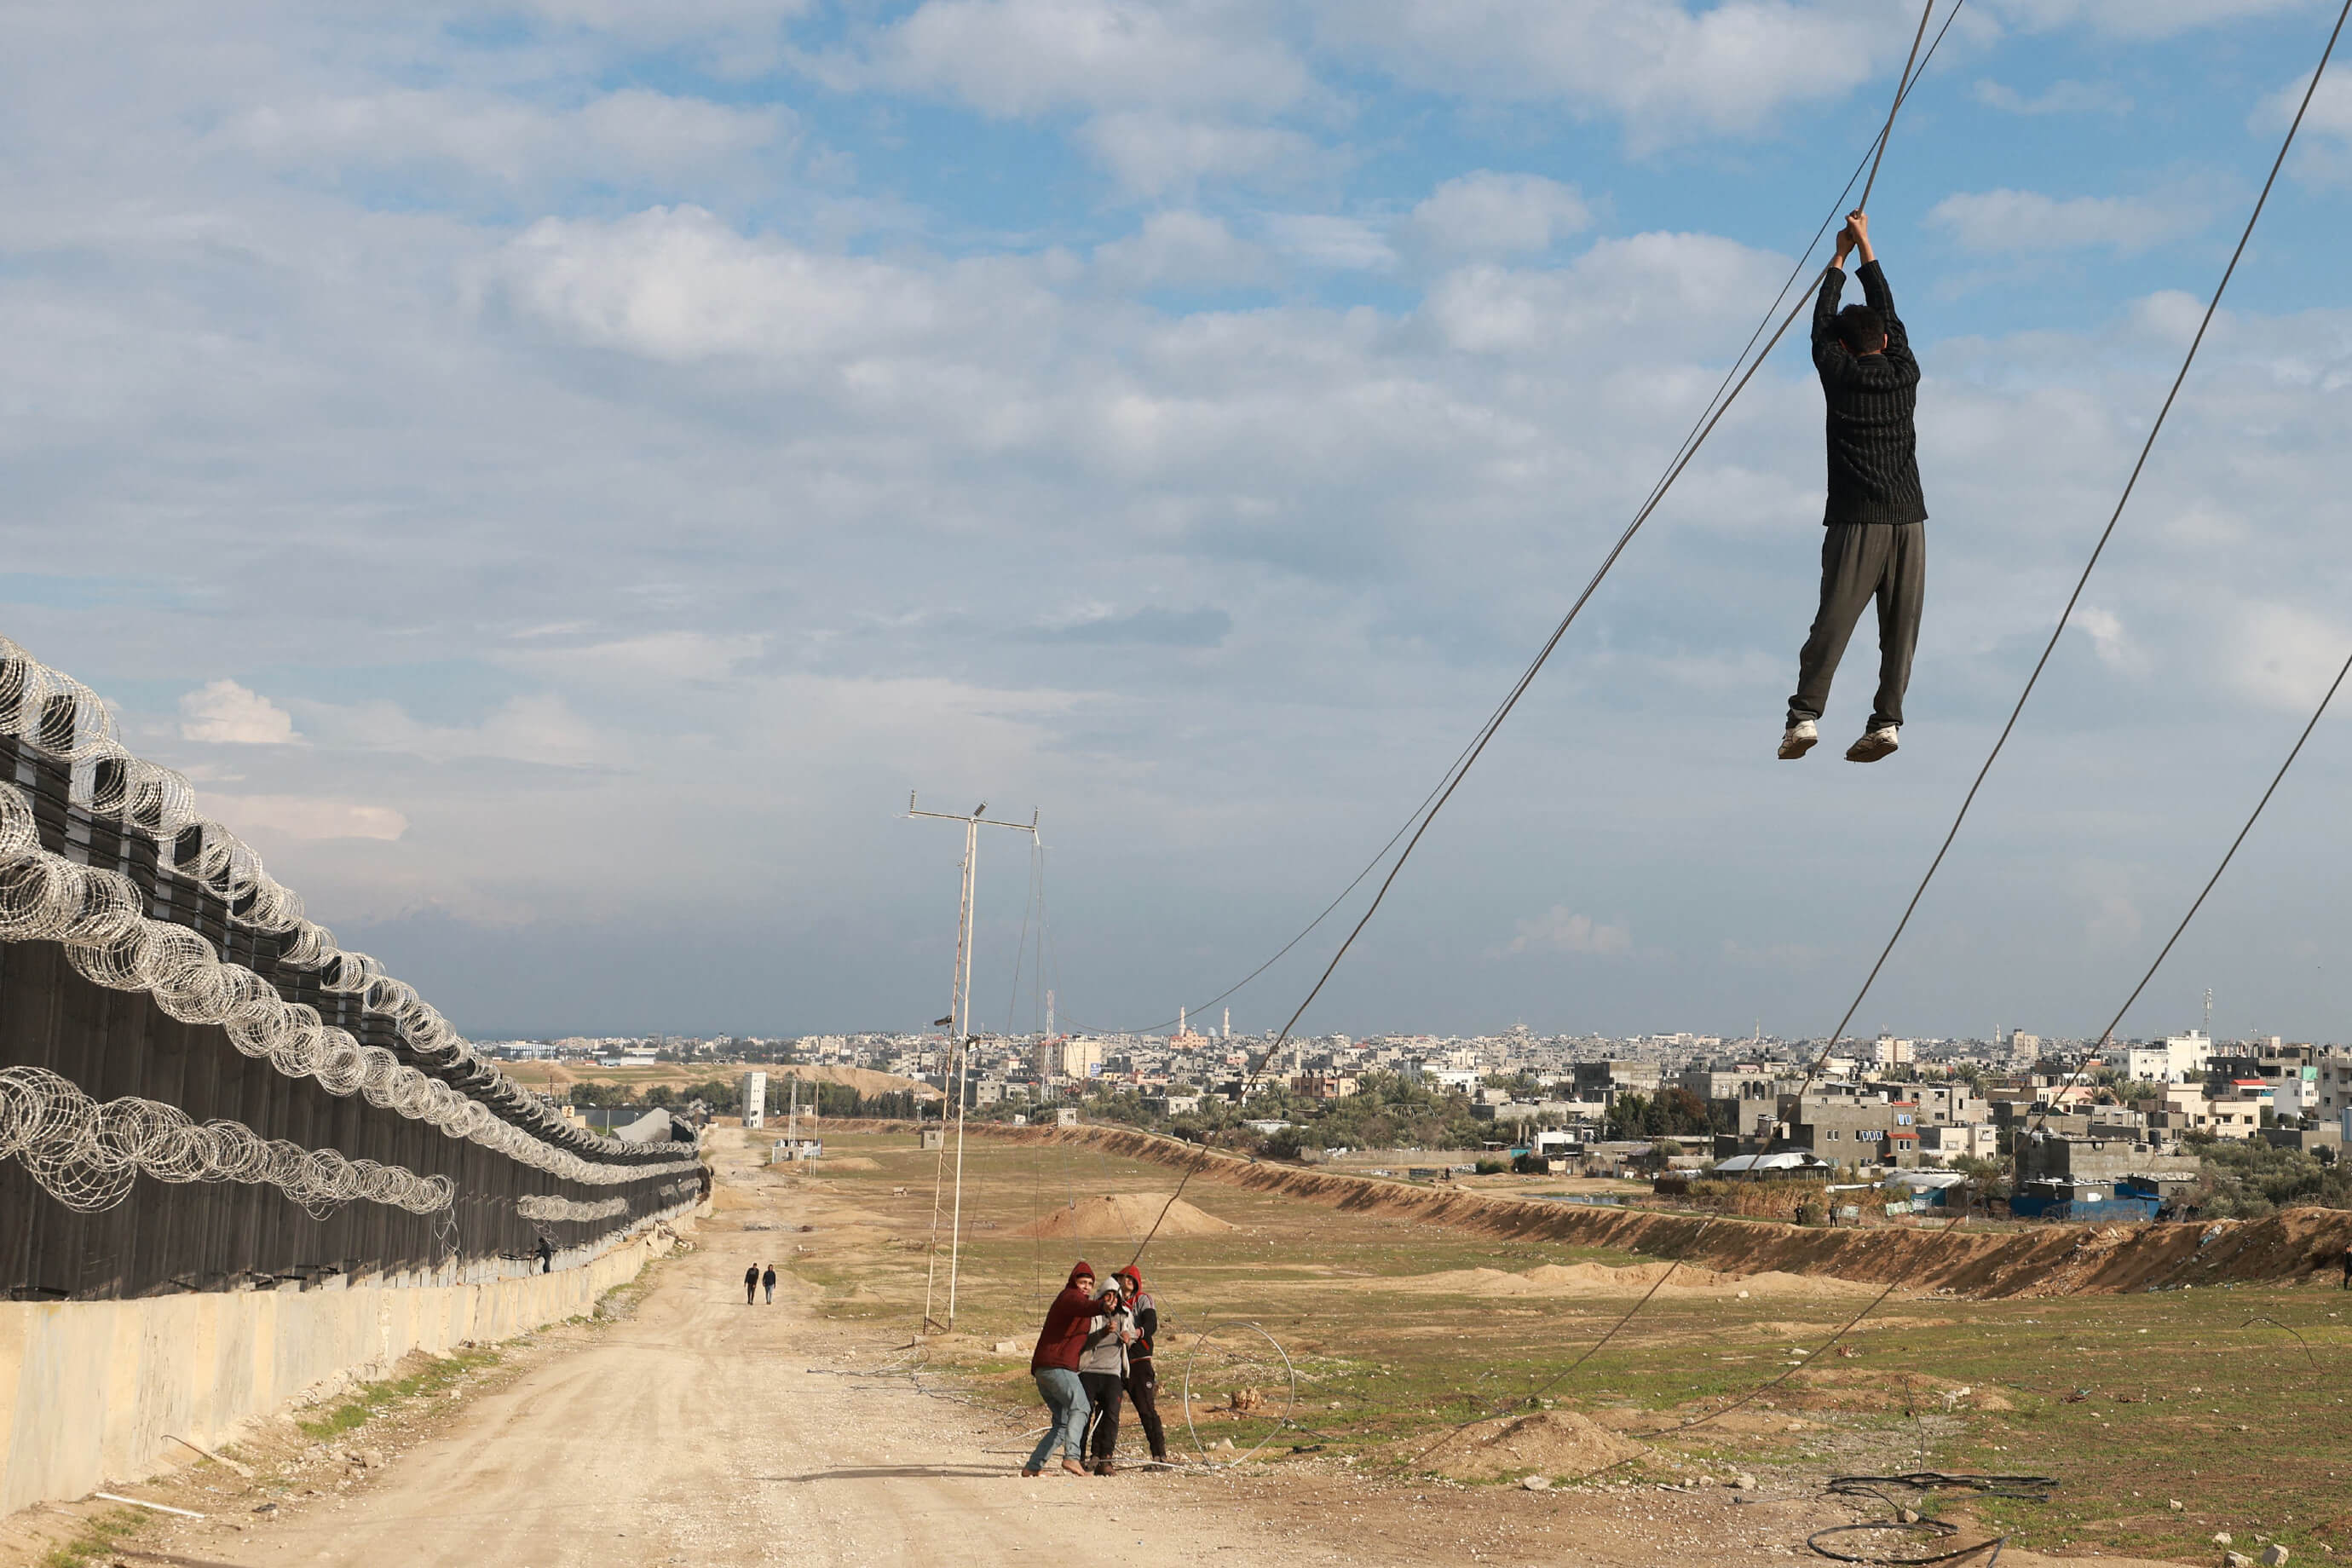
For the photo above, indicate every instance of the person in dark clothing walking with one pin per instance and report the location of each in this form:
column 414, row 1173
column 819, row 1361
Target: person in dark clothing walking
column 546, row 1255
column 768, row 1280
column 752, row 1285
column 1142, row 1382
column 1054, row 1364
column 2347, row 1268
column 1874, row 541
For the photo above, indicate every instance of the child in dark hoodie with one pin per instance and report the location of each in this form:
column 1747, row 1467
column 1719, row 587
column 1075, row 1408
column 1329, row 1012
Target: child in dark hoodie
column 1054, row 1364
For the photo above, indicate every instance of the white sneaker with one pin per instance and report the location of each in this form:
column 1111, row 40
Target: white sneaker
column 1873, row 744
column 1799, row 738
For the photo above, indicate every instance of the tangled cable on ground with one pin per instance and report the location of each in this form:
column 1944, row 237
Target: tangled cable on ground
column 2023, row 1489
column 85, row 1153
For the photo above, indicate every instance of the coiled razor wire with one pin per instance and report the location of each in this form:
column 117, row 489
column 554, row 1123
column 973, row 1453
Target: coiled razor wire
column 52, row 712
column 86, row 1152
column 94, row 913
column 550, row 1208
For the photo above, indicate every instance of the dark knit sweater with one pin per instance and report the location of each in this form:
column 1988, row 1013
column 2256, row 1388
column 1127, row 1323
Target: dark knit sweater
column 1874, row 444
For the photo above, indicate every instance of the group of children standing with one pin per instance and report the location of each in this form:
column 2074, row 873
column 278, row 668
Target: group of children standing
column 1094, row 1348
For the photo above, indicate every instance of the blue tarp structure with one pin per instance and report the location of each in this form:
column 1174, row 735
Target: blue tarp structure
column 2063, row 1200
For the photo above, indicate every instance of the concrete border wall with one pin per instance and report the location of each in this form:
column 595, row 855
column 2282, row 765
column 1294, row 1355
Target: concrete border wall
column 90, row 1391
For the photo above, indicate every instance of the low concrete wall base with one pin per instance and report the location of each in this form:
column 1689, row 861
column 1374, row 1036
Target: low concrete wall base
column 90, row 1391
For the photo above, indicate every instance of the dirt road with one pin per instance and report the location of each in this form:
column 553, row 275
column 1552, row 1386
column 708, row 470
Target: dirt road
column 702, row 1431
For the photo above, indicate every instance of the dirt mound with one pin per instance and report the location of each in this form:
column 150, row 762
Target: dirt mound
column 864, row 1080
column 1601, row 1279
column 1124, row 1214
column 1557, row 1443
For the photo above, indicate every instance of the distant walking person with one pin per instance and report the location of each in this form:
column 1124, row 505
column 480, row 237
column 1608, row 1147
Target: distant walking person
column 546, row 1255
column 2347, row 1270
column 1102, row 1370
column 1054, row 1364
column 751, row 1286
column 1875, row 544
column 768, row 1281
column 1142, row 1382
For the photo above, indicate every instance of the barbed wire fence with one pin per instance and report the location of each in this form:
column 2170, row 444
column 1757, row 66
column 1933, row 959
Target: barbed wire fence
column 106, row 856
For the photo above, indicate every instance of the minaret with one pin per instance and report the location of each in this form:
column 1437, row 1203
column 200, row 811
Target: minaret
column 1229, row 1024
column 1182, row 1028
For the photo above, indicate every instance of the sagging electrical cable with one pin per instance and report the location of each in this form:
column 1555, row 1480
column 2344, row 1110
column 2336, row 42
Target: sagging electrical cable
column 1518, row 690
column 1708, row 415
column 2287, row 144
column 2108, row 1035
column 1435, row 802
column 2130, row 484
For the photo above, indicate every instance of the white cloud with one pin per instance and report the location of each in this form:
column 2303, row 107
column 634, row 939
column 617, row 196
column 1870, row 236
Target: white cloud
column 1151, row 153
column 1174, row 92
column 677, row 284
column 1025, row 58
column 656, row 660
column 1486, row 213
column 2010, row 223
column 1675, row 291
column 300, row 816
column 1672, row 73
column 2281, row 656
column 2059, row 97
column 540, row 729
column 222, row 712
column 1558, row 929
column 2330, row 110
column 2138, row 19
column 1330, row 242
column 2115, row 649
column 1182, row 248
column 629, row 133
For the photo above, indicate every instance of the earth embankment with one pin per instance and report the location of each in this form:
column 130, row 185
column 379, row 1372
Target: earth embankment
column 2052, row 1259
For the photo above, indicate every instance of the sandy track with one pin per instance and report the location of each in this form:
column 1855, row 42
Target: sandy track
column 701, row 1431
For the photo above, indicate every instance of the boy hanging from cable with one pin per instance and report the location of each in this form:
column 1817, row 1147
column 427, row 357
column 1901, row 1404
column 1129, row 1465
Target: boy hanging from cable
column 1875, row 544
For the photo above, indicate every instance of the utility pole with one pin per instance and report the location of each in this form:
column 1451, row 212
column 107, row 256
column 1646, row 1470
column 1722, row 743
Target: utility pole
column 956, row 1074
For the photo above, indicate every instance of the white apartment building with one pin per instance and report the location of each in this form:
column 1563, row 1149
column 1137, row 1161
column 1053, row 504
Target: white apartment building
column 2178, row 1058
column 1072, row 1057
column 2236, row 1113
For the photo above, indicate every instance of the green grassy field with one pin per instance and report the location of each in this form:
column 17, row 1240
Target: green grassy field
column 2230, row 1401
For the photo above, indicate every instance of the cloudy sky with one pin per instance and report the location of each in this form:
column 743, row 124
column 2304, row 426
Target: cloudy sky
column 558, row 475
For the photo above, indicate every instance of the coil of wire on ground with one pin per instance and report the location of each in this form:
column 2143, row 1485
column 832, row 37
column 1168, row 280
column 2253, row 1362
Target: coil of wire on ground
column 2022, row 1489
column 86, row 1152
